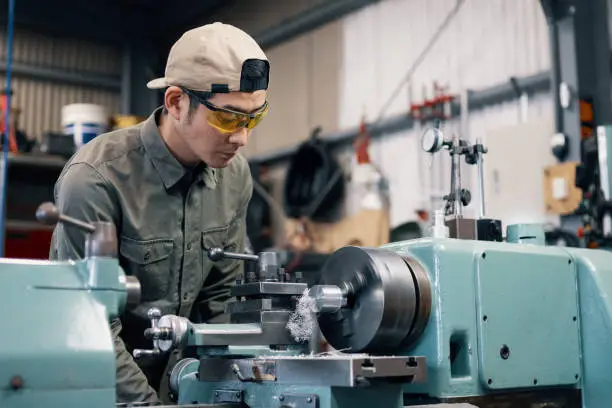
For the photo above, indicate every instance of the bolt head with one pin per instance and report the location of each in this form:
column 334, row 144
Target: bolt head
column 154, row 313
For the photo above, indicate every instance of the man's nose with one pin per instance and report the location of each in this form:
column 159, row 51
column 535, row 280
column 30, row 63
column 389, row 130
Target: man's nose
column 240, row 137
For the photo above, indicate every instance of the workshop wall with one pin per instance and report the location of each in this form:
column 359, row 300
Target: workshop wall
column 304, row 86
column 40, row 100
column 304, row 77
column 486, row 43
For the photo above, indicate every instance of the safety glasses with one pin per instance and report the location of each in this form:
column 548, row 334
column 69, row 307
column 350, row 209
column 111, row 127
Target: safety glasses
column 229, row 121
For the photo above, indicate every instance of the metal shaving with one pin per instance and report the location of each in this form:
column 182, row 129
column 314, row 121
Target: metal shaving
column 302, row 322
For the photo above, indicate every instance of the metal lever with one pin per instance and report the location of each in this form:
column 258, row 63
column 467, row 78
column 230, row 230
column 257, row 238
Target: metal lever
column 100, row 237
column 217, row 254
column 154, row 333
column 48, row 214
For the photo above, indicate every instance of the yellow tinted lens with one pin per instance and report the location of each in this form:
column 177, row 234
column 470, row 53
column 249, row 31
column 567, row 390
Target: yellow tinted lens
column 260, row 115
column 230, row 121
column 225, row 121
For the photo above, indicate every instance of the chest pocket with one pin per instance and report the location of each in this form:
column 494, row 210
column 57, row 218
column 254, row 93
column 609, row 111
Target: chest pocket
column 217, row 237
column 151, row 262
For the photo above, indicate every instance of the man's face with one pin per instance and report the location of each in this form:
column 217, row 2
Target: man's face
column 209, row 143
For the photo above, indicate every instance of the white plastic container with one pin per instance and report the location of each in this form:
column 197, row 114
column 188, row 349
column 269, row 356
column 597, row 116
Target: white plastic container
column 84, row 121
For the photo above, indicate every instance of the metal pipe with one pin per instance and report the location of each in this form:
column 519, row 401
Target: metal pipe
column 481, row 190
column 456, row 177
column 112, row 82
column 309, row 20
column 7, row 124
column 479, row 99
column 126, row 80
column 555, row 73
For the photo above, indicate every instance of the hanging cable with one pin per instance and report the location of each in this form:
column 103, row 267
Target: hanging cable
column 5, row 145
column 421, row 57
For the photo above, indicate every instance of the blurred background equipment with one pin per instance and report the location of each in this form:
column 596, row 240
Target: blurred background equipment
column 84, row 121
column 314, row 185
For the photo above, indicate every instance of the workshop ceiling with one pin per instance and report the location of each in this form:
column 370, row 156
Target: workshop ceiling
column 112, row 20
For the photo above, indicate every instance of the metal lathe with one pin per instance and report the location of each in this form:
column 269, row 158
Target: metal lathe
column 465, row 316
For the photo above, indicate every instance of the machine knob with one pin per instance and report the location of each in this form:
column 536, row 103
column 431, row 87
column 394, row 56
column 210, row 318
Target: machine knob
column 101, row 236
column 154, row 314
column 48, row 214
column 166, row 332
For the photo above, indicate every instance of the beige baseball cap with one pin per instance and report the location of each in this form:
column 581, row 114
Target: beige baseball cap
column 216, row 57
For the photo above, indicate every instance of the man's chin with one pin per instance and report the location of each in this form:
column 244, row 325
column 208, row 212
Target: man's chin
column 221, row 161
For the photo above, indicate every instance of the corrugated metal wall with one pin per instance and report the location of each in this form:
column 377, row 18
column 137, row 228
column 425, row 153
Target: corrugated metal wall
column 41, row 101
column 487, row 42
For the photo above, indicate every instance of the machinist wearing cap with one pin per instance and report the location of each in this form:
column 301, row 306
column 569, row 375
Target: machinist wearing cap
column 173, row 186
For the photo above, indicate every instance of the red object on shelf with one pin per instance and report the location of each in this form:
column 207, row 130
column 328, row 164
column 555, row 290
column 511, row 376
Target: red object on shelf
column 362, row 143
column 27, row 242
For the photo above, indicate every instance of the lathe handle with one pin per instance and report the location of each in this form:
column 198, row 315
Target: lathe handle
column 48, row 214
column 217, row 254
column 154, row 315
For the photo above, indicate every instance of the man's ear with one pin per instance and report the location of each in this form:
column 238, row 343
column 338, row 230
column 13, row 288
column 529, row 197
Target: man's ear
column 172, row 101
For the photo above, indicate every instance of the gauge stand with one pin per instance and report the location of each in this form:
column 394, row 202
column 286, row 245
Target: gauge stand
column 480, row 228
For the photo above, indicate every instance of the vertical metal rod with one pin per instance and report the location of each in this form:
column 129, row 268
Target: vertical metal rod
column 555, row 72
column 126, row 80
column 523, row 107
column 465, row 134
column 481, row 190
column 457, row 176
column 4, row 164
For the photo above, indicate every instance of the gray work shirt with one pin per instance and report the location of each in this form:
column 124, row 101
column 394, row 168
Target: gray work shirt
column 166, row 216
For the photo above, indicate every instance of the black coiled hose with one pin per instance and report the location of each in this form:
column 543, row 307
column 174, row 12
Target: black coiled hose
column 315, row 185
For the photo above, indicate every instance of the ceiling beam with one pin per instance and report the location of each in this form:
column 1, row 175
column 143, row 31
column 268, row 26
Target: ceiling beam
column 317, row 16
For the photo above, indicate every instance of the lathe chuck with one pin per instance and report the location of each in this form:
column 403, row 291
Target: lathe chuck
column 388, row 300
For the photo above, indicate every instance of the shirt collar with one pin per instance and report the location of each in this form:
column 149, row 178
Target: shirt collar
column 167, row 166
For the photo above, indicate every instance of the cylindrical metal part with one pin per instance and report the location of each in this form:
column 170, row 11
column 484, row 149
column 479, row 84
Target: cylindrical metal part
column 103, row 241
column 240, row 256
column 184, row 366
column 328, row 298
column 456, row 175
column 269, row 266
column 216, row 254
column 176, row 327
column 388, row 300
column 133, row 291
column 481, row 190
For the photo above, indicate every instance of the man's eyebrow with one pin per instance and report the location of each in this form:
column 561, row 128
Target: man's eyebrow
column 237, row 109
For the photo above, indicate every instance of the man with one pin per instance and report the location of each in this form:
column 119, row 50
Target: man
column 174, row 186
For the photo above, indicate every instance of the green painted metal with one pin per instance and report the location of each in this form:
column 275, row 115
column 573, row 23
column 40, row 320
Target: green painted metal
column 59, row 352
column 506, row 317
column 526, row 234
column 488, row 295
column 548, row 324
column 273, row 395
